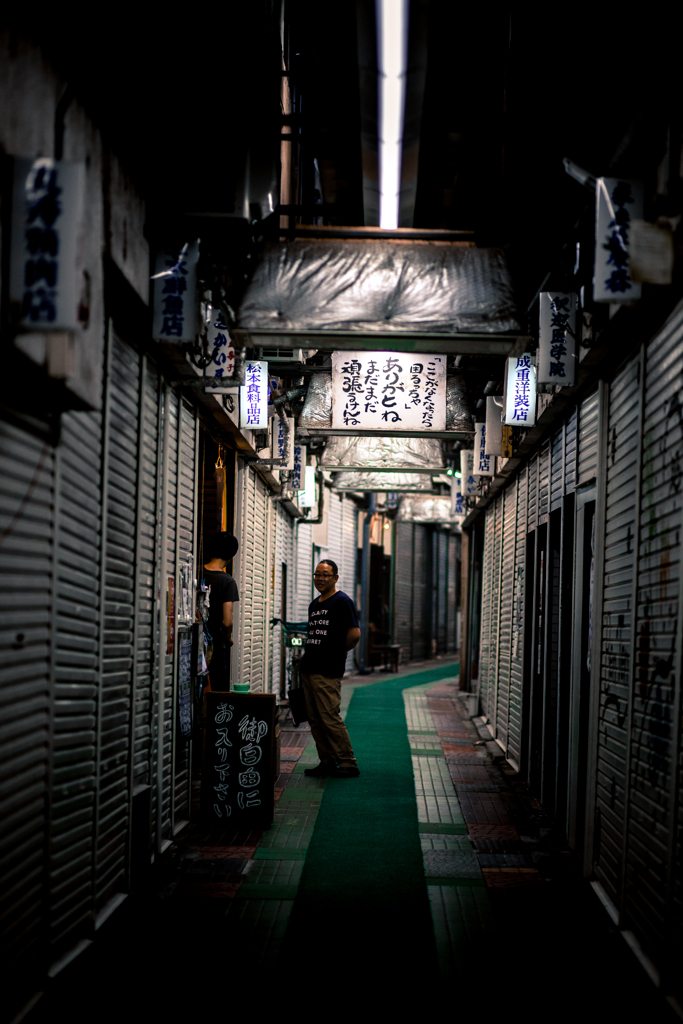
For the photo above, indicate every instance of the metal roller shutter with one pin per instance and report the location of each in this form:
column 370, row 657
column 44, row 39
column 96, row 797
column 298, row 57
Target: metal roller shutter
column 253, row 557
column 621, row 513
column 486, row 623
column 441, row 570
column 403, row 591
column 494, row 642
column 570, row 452
column 544, row 479
column 452, row 595
column 532, row 500
column 557, row 469
column 76, row 673
column 506, row 613
column 421, row 612
column 283, row 556
column 653, row 785
column 26, row 538
column 303, row 554
column 588, row 439
column 347, row 579
column 517, row 652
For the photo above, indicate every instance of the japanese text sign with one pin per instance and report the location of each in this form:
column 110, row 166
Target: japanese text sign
column 175, row 284
column 520, row 394
column 219, row 345
column 388, row 391
column 457, row 503
column 279, row 441
column 557, row 339
column 484, row 465
column 468, row 484
column 618, row 203
column 254, row 396
column 46, row 277
column 297, row 481
column 237, row 775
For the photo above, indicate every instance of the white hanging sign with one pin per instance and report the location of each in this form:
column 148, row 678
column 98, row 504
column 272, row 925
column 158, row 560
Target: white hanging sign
column 220, row 346
column 175, row 283
column 254, row 396
column 618, row 203
column 520, row 391
column 307, row 496
column 297, row 482
column 468, row 484
column 494, row 426
column 279, row 441
column 457, row 503
column 388, row 391
column 484, row 465
column 46, row 277
column 557, row 338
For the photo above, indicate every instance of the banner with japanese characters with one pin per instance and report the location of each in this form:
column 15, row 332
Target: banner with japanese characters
column 618, row 204
column 279, row 440
column 557, row 338
column 220, row 346
column 484, row 465
column 297, row 480
column 388, row 391
column 468, row 484
column 457, row 503
column 254, row 396
column 520, row 391
column 46, row 276
column 174, row 316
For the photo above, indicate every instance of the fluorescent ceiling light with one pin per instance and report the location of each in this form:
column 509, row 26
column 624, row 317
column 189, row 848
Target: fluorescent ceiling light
column 392, row 32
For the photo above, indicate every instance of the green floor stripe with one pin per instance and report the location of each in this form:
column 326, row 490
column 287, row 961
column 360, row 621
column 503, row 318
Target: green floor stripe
column 363, row 895
column 280, row 853
column 437, row 829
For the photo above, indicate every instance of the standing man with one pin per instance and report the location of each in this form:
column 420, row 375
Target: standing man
column 332, row 632
column 221, row 548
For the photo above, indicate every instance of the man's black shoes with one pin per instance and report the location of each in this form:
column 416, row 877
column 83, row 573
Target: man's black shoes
column 345, row 773
column 321, row 771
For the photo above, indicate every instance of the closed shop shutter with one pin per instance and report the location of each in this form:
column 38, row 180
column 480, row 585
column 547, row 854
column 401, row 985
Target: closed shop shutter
column 486, row 624
column 622, row 468
column 421, row 610
column 26, row 535
column 442, row 591
column 514, row 743
column 120, row 485
column 508, row 529
column 494, row 641
column 557, row 469
column 403, row 591
column 532, row 499
column 588, row 439
column 335, row 541
column 653, row 784
column 303, row 593
column 544, row 479
column 347, row 579
column 76, row 674
column 570, row 452
column 452, row 594
column 253, row 558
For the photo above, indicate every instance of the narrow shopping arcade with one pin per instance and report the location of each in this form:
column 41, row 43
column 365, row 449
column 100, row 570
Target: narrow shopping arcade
column 341, row 612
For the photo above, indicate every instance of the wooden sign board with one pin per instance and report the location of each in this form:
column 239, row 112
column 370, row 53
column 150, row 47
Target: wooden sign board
column 239, row 757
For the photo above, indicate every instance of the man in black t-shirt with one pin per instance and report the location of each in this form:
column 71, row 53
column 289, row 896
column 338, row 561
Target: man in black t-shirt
column 332, row 632
column 220, row 548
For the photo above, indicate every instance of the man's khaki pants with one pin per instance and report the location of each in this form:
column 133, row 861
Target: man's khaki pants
column 323, row 699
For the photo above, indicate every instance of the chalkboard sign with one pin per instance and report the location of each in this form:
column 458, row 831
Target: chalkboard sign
column 237, row 775
column 185, row 645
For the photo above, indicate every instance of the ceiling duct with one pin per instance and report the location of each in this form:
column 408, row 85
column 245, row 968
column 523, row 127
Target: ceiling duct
column 376, row 287
column 426, row 509
column 353, row 481
column 398, row 454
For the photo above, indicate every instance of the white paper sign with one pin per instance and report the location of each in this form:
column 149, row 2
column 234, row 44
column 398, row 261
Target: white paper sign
column 279, row 441
column 557, row 338
column 457, row 503
column 494, row 426
column 388, row 391
column 618, row 203
column 520, row 394
column 220, row 346
column 468, row 484
column 175, row 284
column 297, row 482
column 484, row 465
column 254, row 396
column 307, row 496
column 46, row 277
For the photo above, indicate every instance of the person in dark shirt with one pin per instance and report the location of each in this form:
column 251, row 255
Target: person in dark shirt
column 221, row 549
column 332, row 632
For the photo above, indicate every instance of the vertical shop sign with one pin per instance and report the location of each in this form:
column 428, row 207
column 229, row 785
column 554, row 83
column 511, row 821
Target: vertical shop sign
column 279, row 439
column 618, row 204
column 297, row 482
column 494, row 427
column 557, row 338
column 307, row 497
column 254, row 396
column 388, row 391
column 46, row 276
column 220, row 347
column 457, row 503
column 468, row 483
column 174, row 315
column 484, row 465
column 520, row 392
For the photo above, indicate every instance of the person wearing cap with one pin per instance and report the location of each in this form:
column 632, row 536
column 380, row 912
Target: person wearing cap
column 332, row 632
column 220, row 548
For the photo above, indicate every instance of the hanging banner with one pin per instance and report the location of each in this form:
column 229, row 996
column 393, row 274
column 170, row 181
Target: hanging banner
column 297, row 482
column 457, row 503
column 46, row 277
column 494, row 426
column 175, row 282
column 219, row 346
column 468, row 484
column 484, row 465
column 557, row 338
column 388, row 391
column 279, row 441
column 520, row 391
column 254, row 396
column 618, row 203
column 307, row 497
